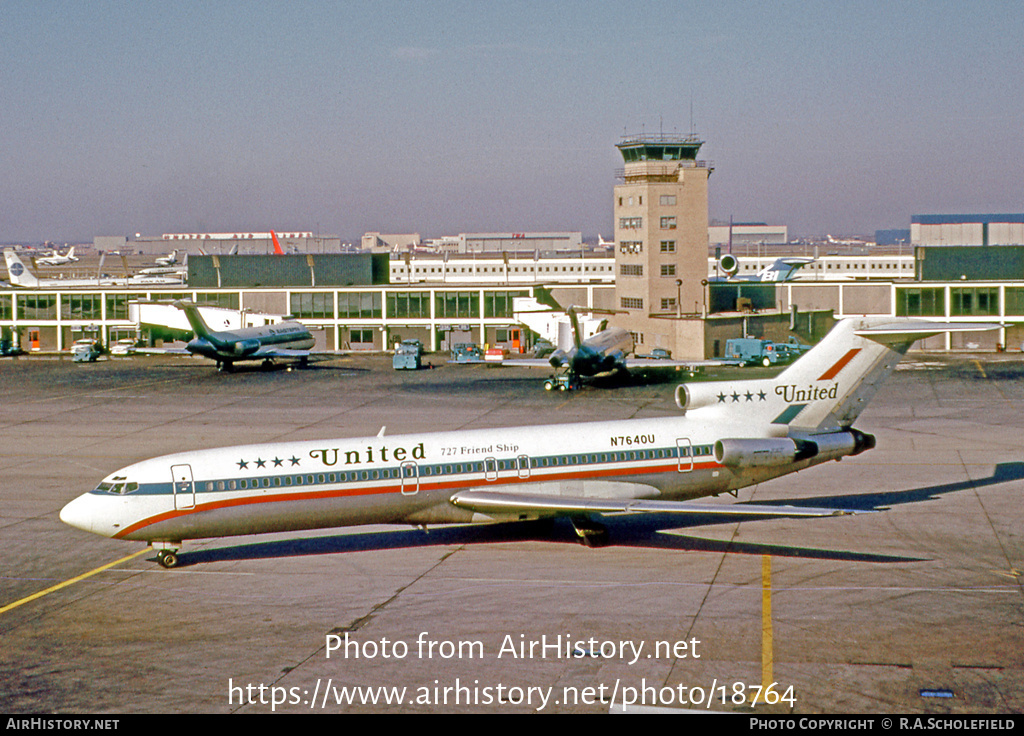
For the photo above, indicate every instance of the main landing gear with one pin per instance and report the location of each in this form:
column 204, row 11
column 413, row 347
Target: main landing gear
column 167, row 557
column 590, row 532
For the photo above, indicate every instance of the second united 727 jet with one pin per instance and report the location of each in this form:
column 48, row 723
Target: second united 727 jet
column 727, row 435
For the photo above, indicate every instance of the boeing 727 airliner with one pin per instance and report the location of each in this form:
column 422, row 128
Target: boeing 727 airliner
column 728, row 435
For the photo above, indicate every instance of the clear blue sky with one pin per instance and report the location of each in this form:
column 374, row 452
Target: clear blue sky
column 448, row 117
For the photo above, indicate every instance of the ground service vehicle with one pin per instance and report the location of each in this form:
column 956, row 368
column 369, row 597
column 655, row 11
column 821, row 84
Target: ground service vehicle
column 751, row 351
column 85, row 350
column 407, row 356
column 467, row 352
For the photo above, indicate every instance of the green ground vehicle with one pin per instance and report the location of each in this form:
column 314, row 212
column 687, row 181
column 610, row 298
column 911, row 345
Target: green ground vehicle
column 561, row 382
column 407, row 356
column 752, row 351
column 467, row 352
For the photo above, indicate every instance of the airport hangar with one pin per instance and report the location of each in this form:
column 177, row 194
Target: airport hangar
column 366, row 302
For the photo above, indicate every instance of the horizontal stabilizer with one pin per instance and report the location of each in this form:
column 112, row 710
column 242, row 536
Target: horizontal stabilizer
column 899, row 332
column 512, row 503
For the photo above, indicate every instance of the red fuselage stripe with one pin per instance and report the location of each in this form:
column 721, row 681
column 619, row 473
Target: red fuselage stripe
column 391, row 488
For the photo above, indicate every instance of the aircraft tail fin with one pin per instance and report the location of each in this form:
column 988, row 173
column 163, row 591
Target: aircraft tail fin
column 782, row 269
column 277, row 244
column 830, row 385
column 17, row 272
column 195, row 320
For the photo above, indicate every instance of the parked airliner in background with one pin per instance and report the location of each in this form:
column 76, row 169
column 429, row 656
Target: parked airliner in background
column 728, row 435
column 782, row 269
column 608, row 350
column 56, row 259
column 847, row 241
column 169, row 264
column 170, row 259
column 291, row 340
column 20, row 276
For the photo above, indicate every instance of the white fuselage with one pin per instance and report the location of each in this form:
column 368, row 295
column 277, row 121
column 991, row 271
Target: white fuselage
column 407, row 478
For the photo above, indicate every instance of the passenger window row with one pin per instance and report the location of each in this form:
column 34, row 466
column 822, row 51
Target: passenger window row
column 409, row 471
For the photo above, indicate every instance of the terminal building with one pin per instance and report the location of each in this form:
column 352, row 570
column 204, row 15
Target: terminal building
column 218, row 243
column 519, row 242
column 966, row 230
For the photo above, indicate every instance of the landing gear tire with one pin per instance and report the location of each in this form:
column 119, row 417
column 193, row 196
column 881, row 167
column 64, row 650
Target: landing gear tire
column 167, row 558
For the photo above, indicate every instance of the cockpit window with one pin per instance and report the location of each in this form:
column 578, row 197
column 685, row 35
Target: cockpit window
column 120, row 488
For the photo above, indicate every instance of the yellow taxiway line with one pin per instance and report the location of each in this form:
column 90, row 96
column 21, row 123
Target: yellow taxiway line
column 66, row 583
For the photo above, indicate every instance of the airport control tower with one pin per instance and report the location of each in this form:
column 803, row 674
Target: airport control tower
column 661, row 242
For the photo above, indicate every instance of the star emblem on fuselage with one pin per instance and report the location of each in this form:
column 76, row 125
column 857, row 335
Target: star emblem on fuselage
column 748, row 395
column 242, row 464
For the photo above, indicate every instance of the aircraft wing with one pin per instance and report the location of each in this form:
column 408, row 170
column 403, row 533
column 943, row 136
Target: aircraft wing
column 161, row 351
column 525, row 362
column 272, row 352
column 670, row 363
column 489, row 502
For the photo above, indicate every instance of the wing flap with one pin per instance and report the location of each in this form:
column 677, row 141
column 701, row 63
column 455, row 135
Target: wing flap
column 488, row 502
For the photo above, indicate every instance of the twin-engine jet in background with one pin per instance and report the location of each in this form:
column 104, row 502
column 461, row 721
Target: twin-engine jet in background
column 290, row 340
column 728, row 435
column 608, row 350
column 56, row 259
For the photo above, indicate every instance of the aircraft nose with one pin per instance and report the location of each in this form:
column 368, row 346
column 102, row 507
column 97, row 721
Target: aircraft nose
column 80, row 513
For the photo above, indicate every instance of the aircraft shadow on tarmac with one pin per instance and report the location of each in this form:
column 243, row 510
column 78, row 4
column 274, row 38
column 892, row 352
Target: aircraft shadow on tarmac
column 652, row 531
column 257, row 367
